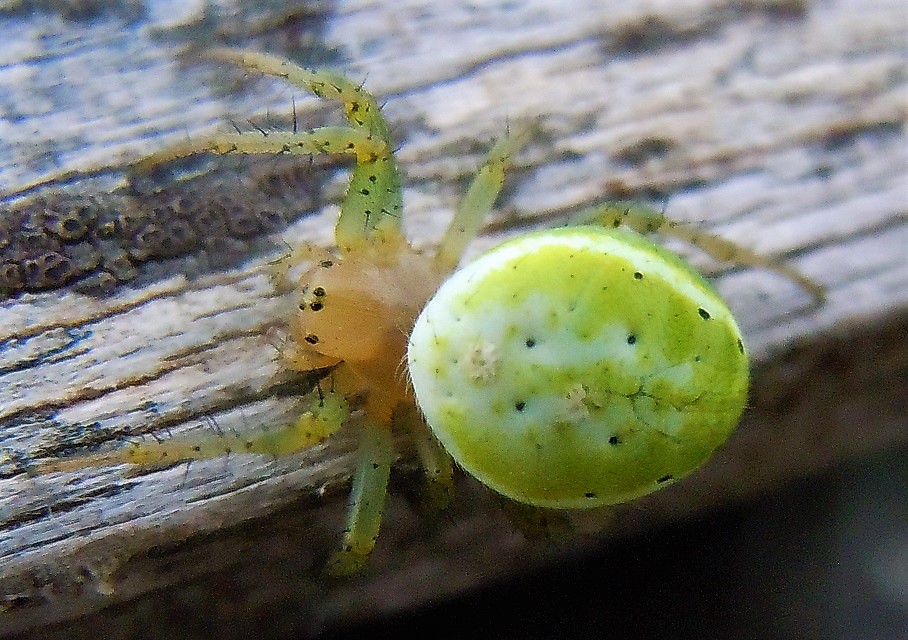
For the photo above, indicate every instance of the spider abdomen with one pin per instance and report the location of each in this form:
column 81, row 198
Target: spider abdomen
column 597, row 365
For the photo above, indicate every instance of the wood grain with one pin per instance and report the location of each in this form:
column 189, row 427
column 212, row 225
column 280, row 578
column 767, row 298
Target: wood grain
column 778, row 124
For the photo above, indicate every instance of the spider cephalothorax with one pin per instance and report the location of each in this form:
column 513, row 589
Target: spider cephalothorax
column 356, row 312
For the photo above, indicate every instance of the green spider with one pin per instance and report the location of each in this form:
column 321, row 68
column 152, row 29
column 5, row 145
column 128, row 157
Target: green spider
column 569, row 368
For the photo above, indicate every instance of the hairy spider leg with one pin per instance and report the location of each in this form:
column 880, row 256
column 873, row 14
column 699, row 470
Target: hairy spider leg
column 372, row 207
column 327, row 140
column 325, row 415
column 360, row 107
column 645, row 219
column 371, row 210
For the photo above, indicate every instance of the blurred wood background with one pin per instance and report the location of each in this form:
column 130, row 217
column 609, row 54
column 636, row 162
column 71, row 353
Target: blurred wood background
column 781, row 124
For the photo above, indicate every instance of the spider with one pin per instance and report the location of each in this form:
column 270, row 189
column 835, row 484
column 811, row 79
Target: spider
column 568, row 368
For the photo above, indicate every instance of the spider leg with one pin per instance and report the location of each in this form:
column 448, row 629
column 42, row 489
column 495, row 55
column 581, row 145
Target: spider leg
column 436, row 463
column 360, row 107
column 477, row 202
column 645, row 219
column 367, row 500
column 371, row 210
column 325, row 415
column 372, row 206
column 328, row 140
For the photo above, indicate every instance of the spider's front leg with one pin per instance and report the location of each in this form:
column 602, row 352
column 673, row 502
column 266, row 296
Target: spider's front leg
column 322, row 140
column 372, row 206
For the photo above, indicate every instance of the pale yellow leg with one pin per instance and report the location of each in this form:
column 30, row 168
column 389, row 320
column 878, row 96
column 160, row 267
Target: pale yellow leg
column 360, row 107
column 645, row 219
column 372, row 207
column 477, row 202
column 329, row 140
column 325, row 415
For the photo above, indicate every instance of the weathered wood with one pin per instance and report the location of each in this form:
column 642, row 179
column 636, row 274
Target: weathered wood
column 779, row 124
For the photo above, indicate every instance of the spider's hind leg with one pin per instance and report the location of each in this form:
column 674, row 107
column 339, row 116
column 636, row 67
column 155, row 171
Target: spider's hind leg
column 645, row 219
column 436, row 463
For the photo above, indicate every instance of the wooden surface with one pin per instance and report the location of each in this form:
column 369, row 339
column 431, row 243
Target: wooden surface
column 779, row 124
